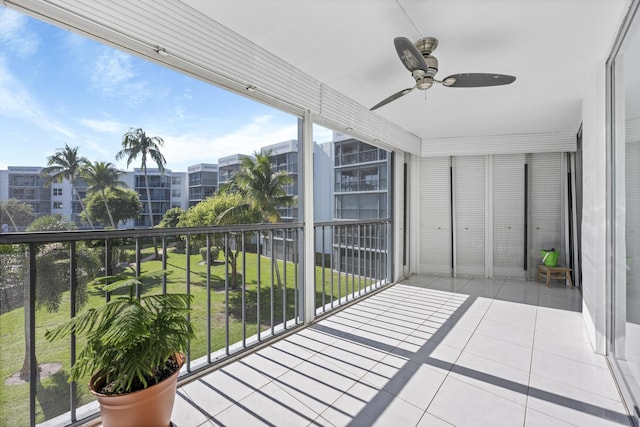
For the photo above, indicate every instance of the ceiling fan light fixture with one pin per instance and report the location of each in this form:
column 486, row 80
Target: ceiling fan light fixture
column 424, row 83
column 449, row 81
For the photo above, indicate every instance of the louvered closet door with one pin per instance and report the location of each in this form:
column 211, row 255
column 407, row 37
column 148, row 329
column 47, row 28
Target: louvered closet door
column 632, row 223
column 434, row 217
column 545, row 208
column 508, row 215
column 469, row 215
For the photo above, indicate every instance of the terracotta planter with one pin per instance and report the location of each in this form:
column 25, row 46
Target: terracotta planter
column 150, row 407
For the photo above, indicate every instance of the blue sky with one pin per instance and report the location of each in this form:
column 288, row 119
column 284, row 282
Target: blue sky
column 57, row 87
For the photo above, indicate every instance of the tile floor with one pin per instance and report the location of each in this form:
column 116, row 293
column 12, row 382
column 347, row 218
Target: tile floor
column 426, row 352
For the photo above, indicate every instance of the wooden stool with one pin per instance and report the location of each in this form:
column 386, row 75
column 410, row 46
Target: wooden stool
column 557, row 273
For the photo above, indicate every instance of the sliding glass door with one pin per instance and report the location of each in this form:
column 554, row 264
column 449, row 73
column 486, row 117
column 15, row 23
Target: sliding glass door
column 624, row 337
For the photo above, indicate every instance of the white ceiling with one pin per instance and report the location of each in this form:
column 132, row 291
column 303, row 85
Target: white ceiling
column 551, row 47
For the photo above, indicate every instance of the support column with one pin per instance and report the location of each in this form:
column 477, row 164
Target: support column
column 305, row 200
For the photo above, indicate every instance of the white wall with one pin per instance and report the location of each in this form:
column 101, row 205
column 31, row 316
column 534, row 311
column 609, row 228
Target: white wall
column 594, row 210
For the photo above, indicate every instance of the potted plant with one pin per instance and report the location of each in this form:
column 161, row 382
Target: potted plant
column 134, row 350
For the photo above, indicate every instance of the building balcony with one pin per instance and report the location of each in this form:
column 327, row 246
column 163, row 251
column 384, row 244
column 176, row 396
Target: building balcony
column 423, row 351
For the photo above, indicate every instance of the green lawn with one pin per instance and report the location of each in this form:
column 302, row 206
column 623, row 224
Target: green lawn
column 53, row 391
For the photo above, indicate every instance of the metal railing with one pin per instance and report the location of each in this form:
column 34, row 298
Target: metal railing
column 354, row 260
column 246, row 282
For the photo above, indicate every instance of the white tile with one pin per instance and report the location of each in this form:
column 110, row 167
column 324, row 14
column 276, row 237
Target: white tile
column 522, row 315
column 538, row 419
column 462, row 404
column 453, row 336
column 524, row 293
column 352, row 358
column 500, row 351
column 286, row 353
column 220, row 389
column 509, row 332
column 383, row 340
column 577, row 350
column 315, row 383
column 549, row 389
column 493, row 377
column 364, row 405
column 345, row 323
column 573, row 405
column 413, row 382
column 576, row 374
column 185, row 415
column 312, row 340
column 269, row 405
column 429, row 420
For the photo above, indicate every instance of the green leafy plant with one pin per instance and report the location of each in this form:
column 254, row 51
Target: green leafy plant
column 129, row 340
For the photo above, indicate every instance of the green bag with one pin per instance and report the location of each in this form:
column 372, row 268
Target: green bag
column 550, row 258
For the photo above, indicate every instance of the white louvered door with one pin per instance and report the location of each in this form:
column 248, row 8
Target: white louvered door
column 469, row 215
column 508, row 215
column 434, row 222
column 632, row 216
column 472, row 223
column 544, row 207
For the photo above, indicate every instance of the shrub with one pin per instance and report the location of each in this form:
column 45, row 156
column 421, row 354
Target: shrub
column 213, row 254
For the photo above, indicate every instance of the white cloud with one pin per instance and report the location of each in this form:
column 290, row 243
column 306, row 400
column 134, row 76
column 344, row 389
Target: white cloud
column 188, row 149
column 113, row 73
column 112, row 69
column 106, row 126
column 13, row 35
column 18, row 103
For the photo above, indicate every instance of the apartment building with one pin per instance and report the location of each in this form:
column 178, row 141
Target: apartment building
column 229, row 165
column 166, row 189
column 203, row 182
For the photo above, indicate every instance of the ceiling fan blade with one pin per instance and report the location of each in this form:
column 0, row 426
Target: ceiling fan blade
column 409, row 55
column 393, row 97
column 477, row 80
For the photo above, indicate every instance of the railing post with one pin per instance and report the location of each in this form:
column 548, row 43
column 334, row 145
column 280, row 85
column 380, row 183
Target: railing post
column 208, row 284
column 73, row 287
column 30, row 326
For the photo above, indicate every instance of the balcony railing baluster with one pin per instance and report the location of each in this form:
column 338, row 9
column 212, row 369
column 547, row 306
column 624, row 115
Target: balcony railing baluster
column 226, row 297
column 73, row 288
column 284, row 284
column 244, row 294
column 208, row 314
column 352, row 251
column 164, row 264
column 258, row 265
column 188, row 292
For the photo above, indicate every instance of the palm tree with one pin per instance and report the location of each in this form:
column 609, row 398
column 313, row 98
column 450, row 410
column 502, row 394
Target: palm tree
column 65, row 163
column 264, row 189
column 100, row 176
column 136, row 143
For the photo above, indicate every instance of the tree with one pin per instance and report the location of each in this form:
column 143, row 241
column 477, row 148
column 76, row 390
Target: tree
column 263, row 189
column 66, row 163
column 16, row 213
column 171, row 218
column 53, row 272
column 102, row 176
column 51, row 223
column 209, row 212
column 136, row 143
column 113, row 205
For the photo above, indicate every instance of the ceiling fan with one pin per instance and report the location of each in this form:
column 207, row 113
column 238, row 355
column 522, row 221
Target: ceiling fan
column 417, row 58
